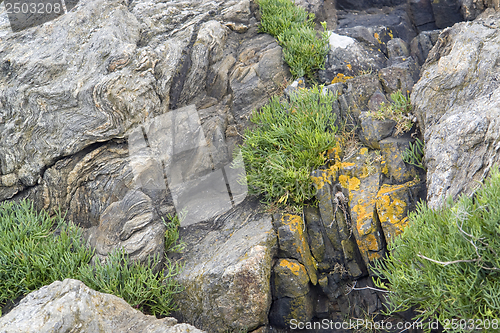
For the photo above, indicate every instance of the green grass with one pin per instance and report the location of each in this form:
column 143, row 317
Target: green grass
column 414, row 154
column 399, row 110
column 293, row 27
column 37, row 249
column 287, row 144
column 446, row 263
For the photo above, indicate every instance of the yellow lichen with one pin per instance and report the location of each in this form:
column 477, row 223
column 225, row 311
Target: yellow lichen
column 364, row 216
column 341, row 78
column 296, row 224
column 293, row 267
column 350, row 183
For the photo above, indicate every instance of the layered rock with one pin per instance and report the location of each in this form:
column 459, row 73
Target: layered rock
column 72, row 306
column 456, row 102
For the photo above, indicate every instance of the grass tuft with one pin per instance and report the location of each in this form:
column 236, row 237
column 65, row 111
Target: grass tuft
column 446, row 263
column 287, row 143
column 37, row 249
column 293, row 27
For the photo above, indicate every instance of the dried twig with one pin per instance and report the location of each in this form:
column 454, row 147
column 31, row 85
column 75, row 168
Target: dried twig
column 446, row 263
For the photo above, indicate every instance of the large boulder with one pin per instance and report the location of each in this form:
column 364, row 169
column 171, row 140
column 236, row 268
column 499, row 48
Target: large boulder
column 457, row 104
column 227, row 270
column 71, row 306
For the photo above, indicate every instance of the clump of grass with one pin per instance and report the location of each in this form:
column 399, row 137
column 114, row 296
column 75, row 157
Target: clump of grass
column 398, row 110
column 31, row 255
column 445, row 264
column 173, row 244
column 37, row 249
column 294, row 29
column 143, row 286
column 287, row 143
column 414, row 154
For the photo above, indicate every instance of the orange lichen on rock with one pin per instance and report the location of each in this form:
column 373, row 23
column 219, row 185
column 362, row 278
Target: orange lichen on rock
column 341, row 78
column 296, row 226
column 350, row 183
column 392, row 208
column 293, row 267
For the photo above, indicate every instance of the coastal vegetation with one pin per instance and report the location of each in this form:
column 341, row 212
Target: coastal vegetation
column 38, row 249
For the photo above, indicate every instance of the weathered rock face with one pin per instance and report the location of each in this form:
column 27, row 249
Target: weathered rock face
column 78, row 90
column 82, row 100
column 456, row 102
column 227, row 270
column 72, row 306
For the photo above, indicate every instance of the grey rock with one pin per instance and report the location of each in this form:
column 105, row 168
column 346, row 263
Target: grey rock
column 129, row 61
column 131, row 224
column 258, row 69
column 360, row 91
column 349, row 57
column 76, row 97
column 446, row 13
column 471, row 9
column 364, row 4
column 394, row 19
column 422, row 15
column 402, row 74
column 398, row 48
column 373, row 130
column 312, row 6
column 456, row 105
column 422, row 44
column 285, row 309
column 227, row 270
column 70, row 306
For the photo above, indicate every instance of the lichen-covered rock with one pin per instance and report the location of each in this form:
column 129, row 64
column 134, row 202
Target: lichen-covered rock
column 362, row 181
column 322, row 236
column 70, row 306
column 293, row 243
column 456, row 102
column 393, row 166
column 349, row 57
column 227, row 270
column 290, row 279
column 393, row 204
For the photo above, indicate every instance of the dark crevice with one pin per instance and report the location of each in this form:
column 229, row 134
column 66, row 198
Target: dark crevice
column 184, row 65
column 85, row 150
